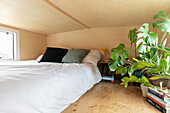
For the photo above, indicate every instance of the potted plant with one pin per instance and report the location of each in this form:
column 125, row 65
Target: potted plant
column 133, row 37
column 155, row 56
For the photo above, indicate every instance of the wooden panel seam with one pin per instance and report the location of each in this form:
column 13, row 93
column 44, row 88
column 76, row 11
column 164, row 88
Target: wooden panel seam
column 65, row 13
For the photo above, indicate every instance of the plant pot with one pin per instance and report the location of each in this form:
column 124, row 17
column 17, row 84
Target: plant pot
column 157, row 82
column 144, row 90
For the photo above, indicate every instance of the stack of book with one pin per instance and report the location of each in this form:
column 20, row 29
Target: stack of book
column 158, row 100
column 108, row 78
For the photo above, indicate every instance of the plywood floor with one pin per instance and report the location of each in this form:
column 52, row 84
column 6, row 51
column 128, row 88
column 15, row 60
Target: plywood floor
column 106, row 97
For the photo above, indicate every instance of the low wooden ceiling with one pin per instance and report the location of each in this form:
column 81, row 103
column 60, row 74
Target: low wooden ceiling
column 42, row 17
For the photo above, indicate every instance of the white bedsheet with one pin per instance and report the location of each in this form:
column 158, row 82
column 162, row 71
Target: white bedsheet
column 31, row 87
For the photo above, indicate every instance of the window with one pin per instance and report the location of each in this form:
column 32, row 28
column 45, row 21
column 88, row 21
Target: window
column 6, row 45
column 9, row 46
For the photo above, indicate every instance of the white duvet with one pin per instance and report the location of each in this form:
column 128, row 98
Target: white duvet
column 30, row 87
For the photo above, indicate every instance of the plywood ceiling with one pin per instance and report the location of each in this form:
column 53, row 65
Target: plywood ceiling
column 38, row 16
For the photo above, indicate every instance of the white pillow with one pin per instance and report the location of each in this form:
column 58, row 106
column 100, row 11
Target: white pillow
column 39, row 58
column 93, row 57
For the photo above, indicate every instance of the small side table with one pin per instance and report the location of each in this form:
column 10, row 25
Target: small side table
column 105, row 71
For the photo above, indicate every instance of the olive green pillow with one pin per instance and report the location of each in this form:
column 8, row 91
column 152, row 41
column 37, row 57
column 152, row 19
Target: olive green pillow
column 75, row 55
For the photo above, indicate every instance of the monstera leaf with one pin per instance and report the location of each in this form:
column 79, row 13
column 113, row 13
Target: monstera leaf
column 143, row 31
column 142, row 38
column 153, row 38
column 164, row 24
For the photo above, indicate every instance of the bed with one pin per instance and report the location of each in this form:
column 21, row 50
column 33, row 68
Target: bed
column 32, row 87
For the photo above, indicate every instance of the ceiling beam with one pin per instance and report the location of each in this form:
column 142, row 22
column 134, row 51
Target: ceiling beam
column 65, row 13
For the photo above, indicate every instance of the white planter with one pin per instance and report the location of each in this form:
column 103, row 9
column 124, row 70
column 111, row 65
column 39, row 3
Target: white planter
column 144, row 90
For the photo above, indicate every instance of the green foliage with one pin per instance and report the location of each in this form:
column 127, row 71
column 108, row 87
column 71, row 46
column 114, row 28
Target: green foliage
column 143, row 79
column 113, row 65
column 135, row 59
column 137, row 66
column 162, row 25
column 118, row 55
column 143, row 30
column 158, row 88
column 133, row 38
column 157, row 77
column 154, row 56
column 149, row 49
column 121, row 70
column 146, row 39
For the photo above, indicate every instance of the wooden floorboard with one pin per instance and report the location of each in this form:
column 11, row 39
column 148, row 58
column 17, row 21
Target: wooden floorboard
column 107, row 97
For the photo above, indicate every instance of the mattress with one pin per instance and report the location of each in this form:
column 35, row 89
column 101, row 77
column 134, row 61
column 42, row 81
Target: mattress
column 31, row 87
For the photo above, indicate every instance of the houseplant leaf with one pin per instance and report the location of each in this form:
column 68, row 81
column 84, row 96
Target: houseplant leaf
column 124, row 54
column 133, row 36
column 157, row 77
column 139, row 41
column 124, row 71
column 143, row 30
column 130, row 70
column 119, row 69
column 141, row 65
column 120, row 47
column 160, row 14
column 135, row 59
column 144, row 79
column 147, row 84
column 133, row 79
column 157, row 88
column 153, row 38
column 114, row 55
column 163, row 63
column 163, row 25
column 141, row 48
column 113, row 65
column 164, row 43
column 153, row 70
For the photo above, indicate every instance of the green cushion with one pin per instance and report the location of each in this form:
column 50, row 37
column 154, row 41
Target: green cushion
column 75, row 56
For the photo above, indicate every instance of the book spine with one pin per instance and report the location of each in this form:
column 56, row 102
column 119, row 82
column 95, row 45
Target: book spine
column 156, row 93
column 159, row 101
column 157, row 98
column 156, row 101
column 110, row 78
column 167, row 99
column 160, row 108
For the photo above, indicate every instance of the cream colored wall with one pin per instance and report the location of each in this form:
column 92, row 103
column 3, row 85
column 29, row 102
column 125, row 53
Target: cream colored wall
column 95, row 38
column 31, row 44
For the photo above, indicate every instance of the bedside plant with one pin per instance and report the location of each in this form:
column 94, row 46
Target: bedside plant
column 155, row 57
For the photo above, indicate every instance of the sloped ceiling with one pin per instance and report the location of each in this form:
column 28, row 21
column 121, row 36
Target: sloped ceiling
column 38, row 16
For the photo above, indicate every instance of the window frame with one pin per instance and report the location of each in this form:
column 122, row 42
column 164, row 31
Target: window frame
column 16, row 41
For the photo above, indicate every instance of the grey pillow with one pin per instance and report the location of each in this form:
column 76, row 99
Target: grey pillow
column 75, row 56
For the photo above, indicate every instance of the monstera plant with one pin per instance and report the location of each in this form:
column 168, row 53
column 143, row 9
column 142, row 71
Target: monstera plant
column 154, row 55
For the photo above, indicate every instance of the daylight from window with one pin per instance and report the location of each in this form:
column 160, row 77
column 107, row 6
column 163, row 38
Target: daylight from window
column 6, row 45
